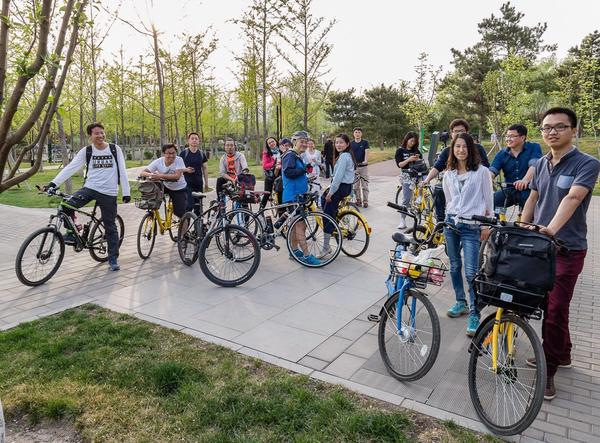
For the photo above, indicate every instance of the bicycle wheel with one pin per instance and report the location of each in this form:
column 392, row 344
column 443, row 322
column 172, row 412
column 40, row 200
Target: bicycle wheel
column 409, row 347
column 189, row 235
column 313, row 236
column 398, row 198
column 146, row 235
column 96, row 241
column 354, row 233
column 245, row 218
column 40, row 256
column 172, row 236
column 229, row 255
column 508, row 399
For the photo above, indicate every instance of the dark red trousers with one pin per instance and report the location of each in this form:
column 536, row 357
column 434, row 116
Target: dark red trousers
column 555, row 328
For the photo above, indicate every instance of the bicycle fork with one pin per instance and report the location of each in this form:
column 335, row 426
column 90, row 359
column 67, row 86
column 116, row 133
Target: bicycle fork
column 498, row 329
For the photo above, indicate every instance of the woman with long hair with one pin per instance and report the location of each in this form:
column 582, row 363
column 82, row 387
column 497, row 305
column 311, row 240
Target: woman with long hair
column 468, row 191
column 407, row 154
column 341, row 185
column 270, row 155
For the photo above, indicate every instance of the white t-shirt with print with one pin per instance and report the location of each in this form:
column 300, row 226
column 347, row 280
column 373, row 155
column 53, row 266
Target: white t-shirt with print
column 159, row 166
column 102, row 171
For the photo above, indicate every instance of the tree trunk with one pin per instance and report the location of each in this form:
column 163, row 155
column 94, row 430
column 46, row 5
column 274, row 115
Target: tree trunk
column 62, row 138
column 161, row 87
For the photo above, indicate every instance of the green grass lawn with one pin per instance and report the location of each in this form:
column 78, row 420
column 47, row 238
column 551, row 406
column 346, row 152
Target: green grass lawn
column 118, row 378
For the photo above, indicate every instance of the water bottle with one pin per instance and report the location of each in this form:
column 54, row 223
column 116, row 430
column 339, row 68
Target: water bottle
column 270, row 224
column 86, row 229
column 281, row 220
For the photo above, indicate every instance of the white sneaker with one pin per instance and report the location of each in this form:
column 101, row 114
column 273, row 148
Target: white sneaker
column 325, row 252
column 401, row 225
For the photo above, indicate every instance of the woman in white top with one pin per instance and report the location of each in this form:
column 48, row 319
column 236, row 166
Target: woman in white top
column 468, row 190
column 312, row 159
column 170, row 168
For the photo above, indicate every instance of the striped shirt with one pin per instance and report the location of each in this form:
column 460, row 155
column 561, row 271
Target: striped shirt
column 470, row 195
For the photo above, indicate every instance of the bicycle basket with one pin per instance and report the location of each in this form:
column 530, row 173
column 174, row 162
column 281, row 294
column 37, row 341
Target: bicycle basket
column 151, row 195
column 422, row 274
column 517, row 268
column 418, row 167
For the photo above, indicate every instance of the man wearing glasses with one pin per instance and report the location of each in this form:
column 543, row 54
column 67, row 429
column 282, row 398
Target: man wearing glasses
column 457, row 126
column 561, row 191
column 517, row 163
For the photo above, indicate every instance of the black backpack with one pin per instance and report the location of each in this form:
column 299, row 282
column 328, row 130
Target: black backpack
column 518, row 262
column 88, row 158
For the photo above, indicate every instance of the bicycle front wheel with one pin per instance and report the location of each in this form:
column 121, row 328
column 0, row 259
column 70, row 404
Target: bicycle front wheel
column 306, row 232
column 409, row 335
column 97, row 242
column 146, row 236
column 229, row 255
column 40, row 256
column 507, row 399
column 189, row 235
column 355, row 234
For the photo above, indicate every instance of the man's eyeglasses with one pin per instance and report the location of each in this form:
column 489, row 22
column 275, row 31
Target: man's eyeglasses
column 558, row 128
column 511, row 137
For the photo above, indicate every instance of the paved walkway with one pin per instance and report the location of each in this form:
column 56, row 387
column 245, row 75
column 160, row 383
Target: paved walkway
column 312, row 321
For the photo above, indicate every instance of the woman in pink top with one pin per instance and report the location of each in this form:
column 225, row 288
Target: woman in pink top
column 270, row 155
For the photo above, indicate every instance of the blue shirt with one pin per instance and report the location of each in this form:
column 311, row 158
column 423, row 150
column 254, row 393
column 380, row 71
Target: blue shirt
column 343, row 172
column 442, row 161
column 515, row 168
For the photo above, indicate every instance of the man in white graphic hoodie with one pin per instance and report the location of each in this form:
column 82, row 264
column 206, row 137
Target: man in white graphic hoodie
column 105, row 169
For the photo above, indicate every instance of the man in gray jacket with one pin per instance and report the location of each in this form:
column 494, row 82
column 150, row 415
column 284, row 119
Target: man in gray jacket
column 232, row 164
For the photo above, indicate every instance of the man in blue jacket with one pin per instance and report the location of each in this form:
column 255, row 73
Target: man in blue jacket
column 517, row 163
column 295, row 183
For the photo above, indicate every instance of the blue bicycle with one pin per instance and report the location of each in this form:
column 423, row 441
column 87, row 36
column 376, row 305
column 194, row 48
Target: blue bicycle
column 409, row 327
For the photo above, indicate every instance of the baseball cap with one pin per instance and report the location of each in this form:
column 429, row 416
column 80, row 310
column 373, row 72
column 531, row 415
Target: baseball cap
column 300, row 135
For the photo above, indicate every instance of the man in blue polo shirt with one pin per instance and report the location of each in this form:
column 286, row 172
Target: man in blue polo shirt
column 360, row 148
column 560, row 196
column 517, row 163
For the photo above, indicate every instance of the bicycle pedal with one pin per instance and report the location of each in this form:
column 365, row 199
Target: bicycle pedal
column 373, row 317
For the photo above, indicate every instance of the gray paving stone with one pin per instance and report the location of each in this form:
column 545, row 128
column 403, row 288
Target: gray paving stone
column 314, row 363
column 354, row 329
column 330, row 349
column 364, row 347
column 344, row 366
column 238, row 314
column 314, row 317
column 280, row 340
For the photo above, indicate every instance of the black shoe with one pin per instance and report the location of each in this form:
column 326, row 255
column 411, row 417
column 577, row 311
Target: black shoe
column 70, row 238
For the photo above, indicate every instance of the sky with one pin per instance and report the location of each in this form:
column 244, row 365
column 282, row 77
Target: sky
column 374, row 41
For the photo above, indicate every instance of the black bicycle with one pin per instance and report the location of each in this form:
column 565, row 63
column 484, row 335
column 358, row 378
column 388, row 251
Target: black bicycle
column 228, row 254
column 42, row 253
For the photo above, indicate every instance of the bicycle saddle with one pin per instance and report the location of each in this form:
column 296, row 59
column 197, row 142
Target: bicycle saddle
column 400, row 238
column 198, row 195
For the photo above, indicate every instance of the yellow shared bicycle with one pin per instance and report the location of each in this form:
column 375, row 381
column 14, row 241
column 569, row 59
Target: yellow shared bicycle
column 153, row 197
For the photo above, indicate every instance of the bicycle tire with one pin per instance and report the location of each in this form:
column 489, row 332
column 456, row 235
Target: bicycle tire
column 173, row 237
column 96, row 241
column 146, row 231
column 19, row 268
column 508, row 377
column 188, row 238
column 314, row 238
column 245, row 218
column 226, row 248
column 351, row 225
column 386, row 315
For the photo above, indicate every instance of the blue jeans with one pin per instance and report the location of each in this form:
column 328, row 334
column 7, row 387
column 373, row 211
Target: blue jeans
column 511, row 197
column 331, row 208
column 467, row 240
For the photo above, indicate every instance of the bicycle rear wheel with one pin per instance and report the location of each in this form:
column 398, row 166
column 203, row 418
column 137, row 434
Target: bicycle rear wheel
column 40, row 256
column 313, row 234
column 507, row 400
column 96, row 242
column 355, row 234
column 189, row 235
column 245, row 218
column 398, row 198
column 410, row 347
column 229, row 255
column 146, row 236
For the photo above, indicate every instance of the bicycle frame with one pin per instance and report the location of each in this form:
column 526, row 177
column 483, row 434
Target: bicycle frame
column 70, row 223
column 165, row 224
column 397, row 284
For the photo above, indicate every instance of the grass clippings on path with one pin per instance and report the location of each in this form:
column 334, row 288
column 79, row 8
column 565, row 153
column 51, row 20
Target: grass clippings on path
column 118, row 378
